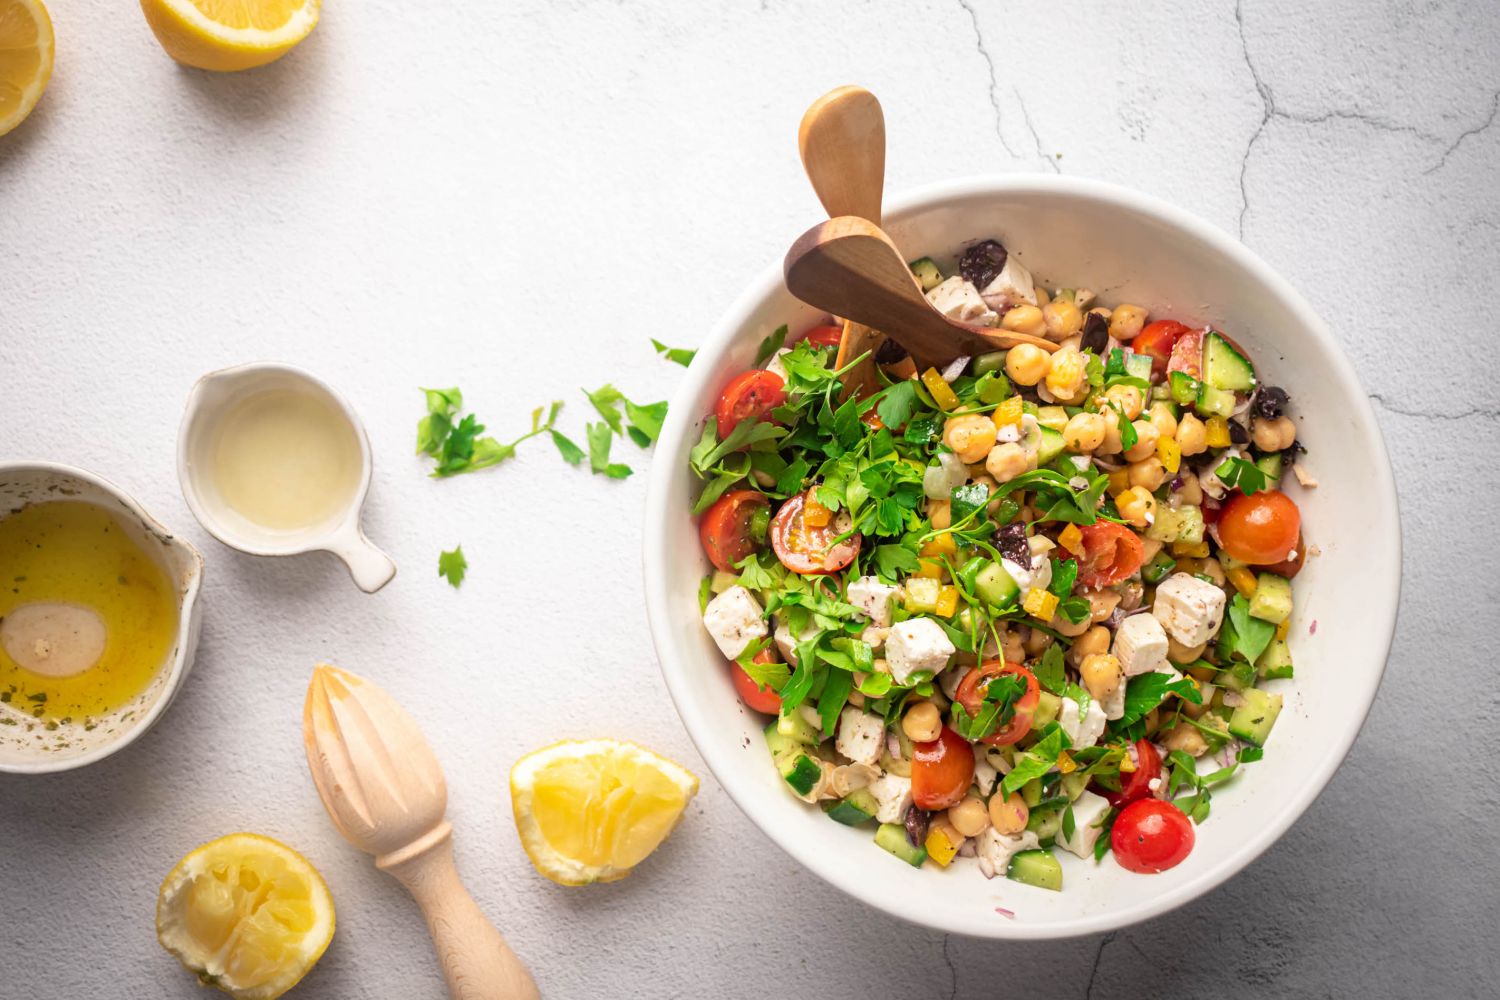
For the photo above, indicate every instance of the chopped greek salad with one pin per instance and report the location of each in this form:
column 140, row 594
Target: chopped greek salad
column 1035, row 601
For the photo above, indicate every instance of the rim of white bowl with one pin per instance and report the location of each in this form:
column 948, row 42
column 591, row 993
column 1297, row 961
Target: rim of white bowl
column 720, row 754
column 185, row 641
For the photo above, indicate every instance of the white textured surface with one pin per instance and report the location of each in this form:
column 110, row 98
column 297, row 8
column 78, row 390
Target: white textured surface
column 514, row 219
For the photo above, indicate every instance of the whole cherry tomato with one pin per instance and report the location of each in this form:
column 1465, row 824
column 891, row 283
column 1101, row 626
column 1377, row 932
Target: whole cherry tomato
column 1261, row 529
column 1111, row 552
column 970, row 694
column 751, row 395
column 755, row 697
column 941, row 771
column 1151, row 836
column 727, row 530
column 809, row 548
column 1157, row 340
column 825, row 336
column 1137, row 783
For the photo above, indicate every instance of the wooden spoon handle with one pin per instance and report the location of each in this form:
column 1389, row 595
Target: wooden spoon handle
column 842, row 142
column 476, row 961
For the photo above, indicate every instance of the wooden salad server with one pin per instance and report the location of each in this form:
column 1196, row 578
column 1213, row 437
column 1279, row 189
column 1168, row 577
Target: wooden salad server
column 842, row 142
column 384, row 790
column 849, row 267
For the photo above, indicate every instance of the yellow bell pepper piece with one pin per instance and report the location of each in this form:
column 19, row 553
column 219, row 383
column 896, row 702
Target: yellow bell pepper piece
column 932, row 569
column 942, row 392
column 947, row 602
column 1170, row 454
column 1217, row 432
column 1119, row 482
column 1065, row 763
column 1040, row 604
column 1190, row 550
column 1071, row 539
column 1008, row 413
column 1284, row 628
column 1243, row 580
column 939, row 847
column 1126, row 764
column 941, row 545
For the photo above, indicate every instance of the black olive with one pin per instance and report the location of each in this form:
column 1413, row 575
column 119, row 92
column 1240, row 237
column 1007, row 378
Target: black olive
column 916, row 826
column 1095, row 333
column 1237, row 433
column 889, row 352
column 1269, row 402
column 982, row 261
column 1290, row 452
column 1010, row 542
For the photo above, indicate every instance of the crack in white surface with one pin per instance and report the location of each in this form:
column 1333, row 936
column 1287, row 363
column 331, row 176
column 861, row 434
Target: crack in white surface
column 952, row 969
column 994, row 93
column 1268, row 108
column 1481, row 412
column 1088, row 991
column 1466, row 134
column 1036, row 139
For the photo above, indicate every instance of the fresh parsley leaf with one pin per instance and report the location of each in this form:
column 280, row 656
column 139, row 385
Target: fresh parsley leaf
column 1069, row 824
column 1049, row 672
column 645, row 421
column 893, row 561
column 599, row 438
column 745, row 434
column 453, row 565
column 1102, row 845
column 1128, row 436
column 1146, row 691
column 760, row 572
column 773, row 675
column 571, row 453
column 1249, row 636
column 836, row 688
column 459, row 447
column 679, row 355
column 1116, row 363
column 1064, row 573
column 897, row 403
column 922, row 430
column 968, row 500
column 606, row 400
column 1038, row 760
column 1244, row 476
column 770, row 346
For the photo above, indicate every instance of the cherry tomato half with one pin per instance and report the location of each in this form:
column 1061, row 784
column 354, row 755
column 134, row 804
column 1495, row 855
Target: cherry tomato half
column 727, row 530
column 751, row 395
column 1151, row 836
column 1157, row 340
column 941, row 771
column 1261, row 529
column 970, row 695
column 1111, row 552
column 825, row 336
column 1137, row 784
column 1187, row 354
column 803, row 548
column 755, row 697
column 1290, row 567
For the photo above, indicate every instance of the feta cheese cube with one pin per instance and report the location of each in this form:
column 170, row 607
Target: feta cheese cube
column 1189, row 608
column 957, row 298
column 985, row 775
column 873, row 598
column 1114, row 706
column 893, row 793
column 1083, row 726
column 1013, row 286
column 995, row 849
column 734, row 620
column 1140, row 645
column 861, row 736
column 787, row 643
column 1088, row 813
column 950, row 679
column 1038, row 574
column 916, row 644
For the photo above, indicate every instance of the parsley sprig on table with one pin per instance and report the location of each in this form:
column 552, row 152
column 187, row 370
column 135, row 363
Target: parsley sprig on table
column 457, row 445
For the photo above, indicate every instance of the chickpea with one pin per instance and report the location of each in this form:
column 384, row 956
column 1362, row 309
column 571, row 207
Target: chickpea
column 1160, row 414
column 1153, row 721
column 1036, row 642
column 1145, row 441
column 1191, row 493
column 1149, row 546
column 1148, row 473
column 1131, row 594
column 1012, row 647
column 1192, row 436
column 971, row 436
column 1126, row 322
column 1024, row 319
column 1111, row 443
column 1095, row 640
column 970, row 816
column 1102, row 604
column 1186, row 738
column 1211, row 569
column 1137, row 506
column 1007, row 461
column 1128, row 398
column 1084, row 432
column 1067, row 374
column 1008, row 814
column 1180, row 654
column 856, row 699
column 1062, row 626
column 1027, row 364
column 1206, row 696
column 1273, row 435
column 1104, row 311
column 1062, row 319
column 1042, row 298
column 940, row 513
column 922, row 722
column 1100, row 673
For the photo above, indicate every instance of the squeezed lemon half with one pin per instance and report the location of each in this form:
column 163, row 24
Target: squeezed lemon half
column 590, row 811
column 229, row 35
column 246, row 914
column 25, row 59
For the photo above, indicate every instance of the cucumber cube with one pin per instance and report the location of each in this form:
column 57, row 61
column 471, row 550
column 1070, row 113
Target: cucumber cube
column 800, row 771
column 854, row 809
column 1256, row 714
column 1038, row 868
column 1272, row 601
column 892, row 837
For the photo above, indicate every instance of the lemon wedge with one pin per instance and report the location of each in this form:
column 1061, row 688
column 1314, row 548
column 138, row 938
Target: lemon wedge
column 246, row 914
column 229, row 35
column 25, row 59
column 590, row 811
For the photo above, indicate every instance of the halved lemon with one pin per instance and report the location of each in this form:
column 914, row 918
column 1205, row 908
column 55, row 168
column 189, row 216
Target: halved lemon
column 246, row 914
column 229, row 35
column 25, row 59
column 591, row 810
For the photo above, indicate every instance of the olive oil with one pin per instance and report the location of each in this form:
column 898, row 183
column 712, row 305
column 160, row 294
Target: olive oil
column 77, row 557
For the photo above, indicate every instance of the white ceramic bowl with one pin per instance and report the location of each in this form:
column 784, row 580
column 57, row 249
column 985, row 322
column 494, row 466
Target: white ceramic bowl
column 27, row 747
column 1130, row 248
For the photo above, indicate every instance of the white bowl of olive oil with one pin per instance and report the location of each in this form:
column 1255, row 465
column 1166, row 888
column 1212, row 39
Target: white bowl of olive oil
column 98, row 617
column 274, row 462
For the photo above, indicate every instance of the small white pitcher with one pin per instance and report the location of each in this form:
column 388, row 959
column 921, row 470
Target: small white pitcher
column 213, row 396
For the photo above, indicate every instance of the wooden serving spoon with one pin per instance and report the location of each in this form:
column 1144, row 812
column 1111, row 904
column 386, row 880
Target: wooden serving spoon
column 842, row 142
column 384, row 790
column 851, row 268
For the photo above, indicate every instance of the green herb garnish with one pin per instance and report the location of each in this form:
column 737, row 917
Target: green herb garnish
column 453, row 566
